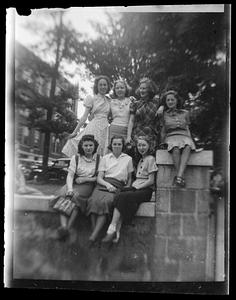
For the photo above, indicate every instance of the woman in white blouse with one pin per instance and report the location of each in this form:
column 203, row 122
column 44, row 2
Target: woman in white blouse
column 120, row 110
column 126, row 203
column 84, row 183
column 114, row 172
column 97, row 108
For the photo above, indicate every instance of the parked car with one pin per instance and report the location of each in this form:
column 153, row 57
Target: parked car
column 27, row 166
column 57, row 171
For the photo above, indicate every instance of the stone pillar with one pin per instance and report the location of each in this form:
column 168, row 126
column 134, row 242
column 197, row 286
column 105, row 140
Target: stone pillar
column 184, row 237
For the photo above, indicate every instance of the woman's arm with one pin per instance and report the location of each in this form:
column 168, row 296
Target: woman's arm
column 145, row 184
column 129, row 181
column 101, row 181
column 80, row 180
column 130, row 127
column 80, row 123
column 69, row 181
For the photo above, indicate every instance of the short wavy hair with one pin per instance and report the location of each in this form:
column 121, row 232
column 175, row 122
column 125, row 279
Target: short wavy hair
column 127, row 88
column 174, row 92
column 97, row 79
column 152, row 87
column 86, row 138
column 117, row 137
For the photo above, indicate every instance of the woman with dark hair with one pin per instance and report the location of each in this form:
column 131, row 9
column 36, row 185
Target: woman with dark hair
column 144, row 119
column 175, row 133
column 97, row 108
column 81, row 187
column 114, row 172
column 126, row 203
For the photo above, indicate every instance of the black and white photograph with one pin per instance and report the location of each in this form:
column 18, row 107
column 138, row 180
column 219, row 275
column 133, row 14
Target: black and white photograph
column 117, row 148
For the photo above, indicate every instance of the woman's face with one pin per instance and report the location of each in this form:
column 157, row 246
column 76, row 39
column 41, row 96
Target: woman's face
column 120, row 90
column 143, row 89
column 142, row 146
column 88, row 147
column 117, row 146
column 102, row 86
column 171, row 101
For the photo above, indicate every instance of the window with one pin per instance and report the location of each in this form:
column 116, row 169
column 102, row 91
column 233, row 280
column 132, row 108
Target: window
column 36, row 138
column 23, row 135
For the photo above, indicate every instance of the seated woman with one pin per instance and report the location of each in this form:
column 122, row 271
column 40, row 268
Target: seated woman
column 126, row 203
column 84, row 183
column 114, row 172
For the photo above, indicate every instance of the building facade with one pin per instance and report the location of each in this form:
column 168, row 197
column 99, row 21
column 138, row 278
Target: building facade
column 33, row 79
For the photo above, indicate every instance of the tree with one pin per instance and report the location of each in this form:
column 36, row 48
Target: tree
column 60, row 43
column 182, row 50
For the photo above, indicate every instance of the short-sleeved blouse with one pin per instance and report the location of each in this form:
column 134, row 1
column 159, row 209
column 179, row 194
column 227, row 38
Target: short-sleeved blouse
column 117, row 168
column 120, row 110
column 145, row 167
column 98, row 104
column 85, row 168
column 176, row 122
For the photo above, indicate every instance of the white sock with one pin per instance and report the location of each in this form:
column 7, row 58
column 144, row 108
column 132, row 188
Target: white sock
column 111, row 229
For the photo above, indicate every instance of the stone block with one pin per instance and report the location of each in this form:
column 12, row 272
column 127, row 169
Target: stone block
column 203, row 158
column 195, row 177
column 165, row 271
column 180, row 249
column 203, row 199
column 167, row 225
column 32, row 202
column 182, row 201
column 146, row 209
column 200, row 248
column 191, row 271
column 160, row 248
column 195, row 225
column 162, row 200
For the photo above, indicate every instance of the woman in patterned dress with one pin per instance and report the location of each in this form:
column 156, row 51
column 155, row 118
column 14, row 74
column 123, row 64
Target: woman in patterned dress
column 144, row 119
column 97, row 108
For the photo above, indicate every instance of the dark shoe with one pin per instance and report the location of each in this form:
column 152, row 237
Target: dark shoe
column 109, row 237
column 180, row 181
column 63, row 233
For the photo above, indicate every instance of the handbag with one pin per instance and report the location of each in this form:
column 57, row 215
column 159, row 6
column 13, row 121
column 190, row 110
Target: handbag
column 64, row 205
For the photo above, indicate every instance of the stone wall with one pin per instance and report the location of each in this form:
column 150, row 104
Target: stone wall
column 169, row 240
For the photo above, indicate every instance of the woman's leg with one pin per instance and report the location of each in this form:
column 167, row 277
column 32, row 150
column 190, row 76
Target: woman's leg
column 101, row 220
column 64, row 221
column 183, row 161
column 176, row 157
column 72, row 218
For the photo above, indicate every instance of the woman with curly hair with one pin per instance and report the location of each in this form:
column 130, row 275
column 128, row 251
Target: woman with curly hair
column 97, row 108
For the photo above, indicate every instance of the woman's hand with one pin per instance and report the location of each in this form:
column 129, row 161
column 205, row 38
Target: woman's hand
column 80, row 180
column 110, row 187
column 72, row 135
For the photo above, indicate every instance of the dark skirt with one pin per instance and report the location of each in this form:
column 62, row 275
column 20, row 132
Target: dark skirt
column 101, row 201
column 81, row 194
column 128, row 202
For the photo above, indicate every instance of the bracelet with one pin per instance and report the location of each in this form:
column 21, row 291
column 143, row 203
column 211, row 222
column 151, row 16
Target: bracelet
column 71, row 193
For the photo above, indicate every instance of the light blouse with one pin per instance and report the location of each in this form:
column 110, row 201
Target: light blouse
column 145, row 167
column 99, row 105
column 120, row 110
column 85, row 168
column 117, row 168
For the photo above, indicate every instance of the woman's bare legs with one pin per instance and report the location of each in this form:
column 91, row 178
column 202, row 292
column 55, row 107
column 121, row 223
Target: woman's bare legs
column 183, row 160
column 176, row 157
column 72, row 218
column 100, row 222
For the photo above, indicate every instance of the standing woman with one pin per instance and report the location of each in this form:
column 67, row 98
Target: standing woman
column 144, row 119
column 120, row 109
column 82, row 188
column 97, row 108
column 114, row 172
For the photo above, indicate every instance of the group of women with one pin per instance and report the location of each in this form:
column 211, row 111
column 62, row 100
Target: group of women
column 114, row 191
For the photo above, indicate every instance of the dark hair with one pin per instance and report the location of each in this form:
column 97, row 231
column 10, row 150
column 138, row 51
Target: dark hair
column 127, row 87
column 95, row 86
column 175, row 93
column 152, row 87
column 86, row 138
column 117, row 137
